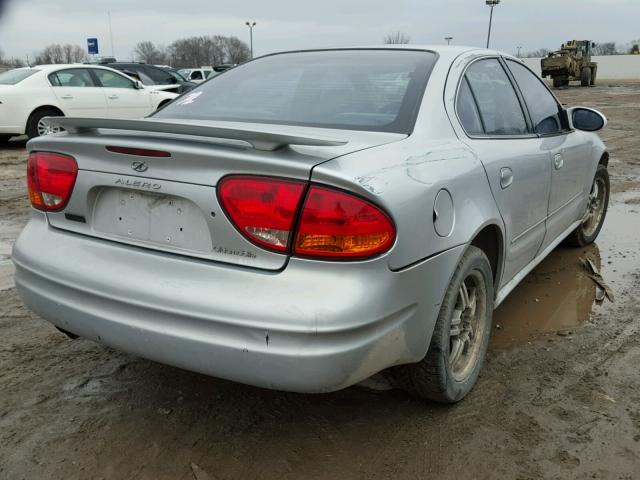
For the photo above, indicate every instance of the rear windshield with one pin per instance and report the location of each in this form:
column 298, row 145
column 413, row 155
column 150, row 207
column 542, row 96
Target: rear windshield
column 377, row 90
column 15, row 76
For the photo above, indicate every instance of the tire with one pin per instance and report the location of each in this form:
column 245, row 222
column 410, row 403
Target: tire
column 594, row 74
column 597, row 207
column 585, row 77
column 560, row 82
column 5, row 138
column 437, row 376
column 33, row 128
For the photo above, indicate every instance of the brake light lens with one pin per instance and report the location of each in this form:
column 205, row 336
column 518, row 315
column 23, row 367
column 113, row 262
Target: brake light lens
column 335, row 224
column 138, row 152
column 50, row 178
column 263, row 209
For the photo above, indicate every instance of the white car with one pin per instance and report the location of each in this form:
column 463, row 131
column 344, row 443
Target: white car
column 29, row 94
column 197, row 75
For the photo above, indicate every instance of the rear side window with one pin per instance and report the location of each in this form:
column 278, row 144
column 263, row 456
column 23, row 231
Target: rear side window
column 543, row 107
column 73, row 77
column 468, row 111
column 13, row 77
column 497, row 101
column 110, row 79
column 375, row 90
column 197, row 75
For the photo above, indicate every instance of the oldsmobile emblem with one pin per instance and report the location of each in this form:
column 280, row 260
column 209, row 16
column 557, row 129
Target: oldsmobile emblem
column 139, row 166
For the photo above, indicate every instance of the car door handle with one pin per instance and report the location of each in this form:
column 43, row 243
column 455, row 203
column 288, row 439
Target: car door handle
column 113, row 97
column 506, row 177
column 67, row 97
column 558, row 161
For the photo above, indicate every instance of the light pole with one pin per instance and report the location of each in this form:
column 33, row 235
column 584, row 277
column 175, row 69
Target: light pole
column 519, row 50
column 448, row 39
column 492, row 4
column 251, row 25
column 110, row 33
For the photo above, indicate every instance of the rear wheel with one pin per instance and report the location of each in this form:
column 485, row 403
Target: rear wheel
column 460, row 338
column 36, row 126
column 594, row 74
column 597, row 207
column 5, row 138
column 585, row 77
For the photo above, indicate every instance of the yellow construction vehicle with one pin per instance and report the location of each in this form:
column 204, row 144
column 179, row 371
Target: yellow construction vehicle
column 571, row 62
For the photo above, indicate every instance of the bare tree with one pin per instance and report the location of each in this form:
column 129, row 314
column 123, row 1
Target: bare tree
column 73, row 53
column 148, row 52
column 397, row 38
column 235, row 50
column 207, row 50
column 9, row 62
column 56, row 53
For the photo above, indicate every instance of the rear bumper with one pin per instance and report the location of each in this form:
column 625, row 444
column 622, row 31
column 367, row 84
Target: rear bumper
column 313, row 327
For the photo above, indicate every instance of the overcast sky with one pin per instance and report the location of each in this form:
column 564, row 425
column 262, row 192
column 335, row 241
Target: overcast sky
column 28, row 25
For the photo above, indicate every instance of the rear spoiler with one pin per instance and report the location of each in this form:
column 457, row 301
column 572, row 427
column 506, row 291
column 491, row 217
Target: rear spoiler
column 259, row 139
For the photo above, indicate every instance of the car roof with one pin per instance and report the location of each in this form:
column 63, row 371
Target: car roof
column 448, row 52
column 59, row 66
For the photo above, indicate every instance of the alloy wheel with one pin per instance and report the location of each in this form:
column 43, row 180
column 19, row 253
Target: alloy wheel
column 595, row 207
column 468, row 323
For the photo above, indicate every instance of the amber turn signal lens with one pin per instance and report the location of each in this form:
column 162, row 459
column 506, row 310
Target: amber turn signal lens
column 336, row 224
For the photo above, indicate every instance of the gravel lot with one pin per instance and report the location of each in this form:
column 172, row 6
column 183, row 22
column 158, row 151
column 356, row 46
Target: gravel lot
column 558, row 398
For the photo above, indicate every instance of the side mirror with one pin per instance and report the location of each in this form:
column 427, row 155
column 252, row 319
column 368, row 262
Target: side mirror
column 587, row 119
column 138, row 85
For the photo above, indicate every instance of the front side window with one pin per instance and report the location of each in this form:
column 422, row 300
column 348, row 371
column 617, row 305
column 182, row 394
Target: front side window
column 497, row 101
column 543, row 107
column 73, row 77
column 111, row 79
column 375, row 90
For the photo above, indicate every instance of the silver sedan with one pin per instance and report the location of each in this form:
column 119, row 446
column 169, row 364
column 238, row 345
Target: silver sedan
column 308, row 219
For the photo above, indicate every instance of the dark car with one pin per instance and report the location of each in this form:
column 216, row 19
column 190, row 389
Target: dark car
column 167, row 79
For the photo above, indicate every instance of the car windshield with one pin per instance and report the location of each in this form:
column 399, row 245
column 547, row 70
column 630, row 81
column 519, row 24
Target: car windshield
column 13, row 77
column 175, row 74
column 375, row 90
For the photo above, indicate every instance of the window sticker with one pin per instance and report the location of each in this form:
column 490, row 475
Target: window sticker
column 190, row 98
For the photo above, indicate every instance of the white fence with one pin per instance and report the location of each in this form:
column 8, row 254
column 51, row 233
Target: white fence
column 614, row 67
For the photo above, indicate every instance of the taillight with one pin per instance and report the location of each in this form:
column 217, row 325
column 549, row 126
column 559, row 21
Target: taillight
column 262, row 208
column 50, row 178
column 335, row 224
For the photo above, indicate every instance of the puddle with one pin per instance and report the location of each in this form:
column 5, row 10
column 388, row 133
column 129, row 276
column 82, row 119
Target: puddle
column 558, row 295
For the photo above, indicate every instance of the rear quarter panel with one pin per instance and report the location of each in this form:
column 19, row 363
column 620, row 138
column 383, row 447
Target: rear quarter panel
column 404, row 179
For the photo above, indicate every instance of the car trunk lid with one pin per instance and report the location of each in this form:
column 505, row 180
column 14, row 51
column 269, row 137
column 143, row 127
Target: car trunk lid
column 168, row 203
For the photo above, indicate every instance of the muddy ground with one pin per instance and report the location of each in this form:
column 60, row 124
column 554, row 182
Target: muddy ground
column 559, row 396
